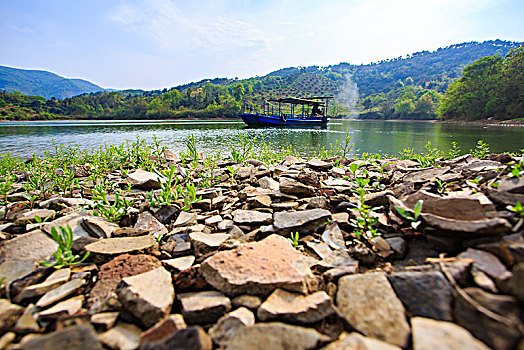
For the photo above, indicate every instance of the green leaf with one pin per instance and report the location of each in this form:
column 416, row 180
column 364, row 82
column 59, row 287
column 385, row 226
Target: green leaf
column 417, row 209
column 404, row 213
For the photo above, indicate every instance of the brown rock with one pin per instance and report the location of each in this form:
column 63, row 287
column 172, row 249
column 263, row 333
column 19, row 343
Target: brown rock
column 163, row 329
column 203, row 307
column 290, row 186
column 228, row 325
column 34, row 246
column 252, row 217
column 9, row 313
column 108, row 247
column 192, row 338
column 123, row 336
column 144, row 179
column 72, row 338
column 305, row 221
column 485, row 262
column 149, row 223
column 357, row 341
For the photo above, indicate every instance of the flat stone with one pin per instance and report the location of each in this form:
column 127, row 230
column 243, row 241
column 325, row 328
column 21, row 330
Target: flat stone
column 290, row 186
column 268, row 183
column 431, row 334
column 56, row 279
column 260, row 201
column 27, row 322
column 319, row 164
column 30, row 216
column 322, row 249
column 203, row 307
column 7, row 339
column 121, row 245
column 103, row 296
column 164, row 328
column 284, row 206
column 213, row 220
column 225, row 225
column 73, row 220
column 276, row 336
column 228, row 325
column 189, row 338
column 61, row 292
column 512, row 185
column 258, row 268
column 124, row 336
column 252, row 217
column 144, row 179
column 333, row 236
column 149, row 223
column 251, row 302
column 399, row 247
column 359, row 342
column 59, row 203
column 485, row 262
column 378, row 314
column 72, row 338
column 305, row 221
column 319, row 202
column 204, row 243
column 180, row 264
column 494, row 226
column 292, row 307
column 148, row 296
column 105, row 320
column 185, row 219
column 513, row 285
column 68, row 307
column 9, row 313
column 167, row 213
column 425, row 294
column 426, row 175
column 34, row 246
column 14, row 269
column 98, row 227
column 338, row 258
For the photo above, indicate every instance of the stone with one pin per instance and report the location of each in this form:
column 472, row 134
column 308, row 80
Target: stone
column 73, row 220
column 105, row 320
column 322, row 249
column 512, row 185
column 276, row 336
column 144, row 179
column 228, row 325
column 9, row 313
column 426, row 294
column 378, row 314
column 73, row 338
column 34, row 246
column 251, row 302
column 167, row 213
column 54, row 280
column 14, row 269
column 185, row 219
column 61, row 292
column 192, row 338
column 431, row 334
column 68, row 307
column 290, row 186
column 338, row 258
column 27, row 322
column 213, row 220
column 148, row 296
column 305, row 221
column 7, row 339
column 59, row 203
column 268, row 183
column 204, row 243
column 258, row 268
column 318, row 203
column 252, row 217
column 203, row 307
column 319, row 164
column 108, row 247
column 163, row 329
column 284, row 206
column 513, row 284
column 377, row 199
column 180, row 264
column 30, row 216
column 426, row 175
column 190, row 280
column 356, row 341
column 124, row 336
column 399, row 246
column 333, row 236
column 149, row 223
column 98, row 227
column 485, row 262
column 292, row 307
column 260, row 201
column 103, row 296
column 225, row 225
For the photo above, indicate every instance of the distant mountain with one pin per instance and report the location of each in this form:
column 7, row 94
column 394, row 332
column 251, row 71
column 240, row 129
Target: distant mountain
column 43, row 83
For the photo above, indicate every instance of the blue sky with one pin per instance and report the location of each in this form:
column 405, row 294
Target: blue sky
column 151, row 44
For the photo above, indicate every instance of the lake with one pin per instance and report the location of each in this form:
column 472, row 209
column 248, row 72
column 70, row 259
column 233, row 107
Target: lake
column 26, row 138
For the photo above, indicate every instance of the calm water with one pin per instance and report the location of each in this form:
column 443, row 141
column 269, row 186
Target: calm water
column 26, row 138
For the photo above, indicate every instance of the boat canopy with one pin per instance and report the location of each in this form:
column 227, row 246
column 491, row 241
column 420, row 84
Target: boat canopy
column 302, row 101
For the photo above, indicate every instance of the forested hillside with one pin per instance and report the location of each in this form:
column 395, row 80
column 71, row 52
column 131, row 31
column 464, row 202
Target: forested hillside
column 402, row 88
column 42, row 83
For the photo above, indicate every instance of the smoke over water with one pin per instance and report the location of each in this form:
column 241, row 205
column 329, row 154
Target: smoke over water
column 349, row 96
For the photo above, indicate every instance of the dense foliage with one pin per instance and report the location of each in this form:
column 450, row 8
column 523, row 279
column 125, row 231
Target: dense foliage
column 400, row 88
column 491, row 87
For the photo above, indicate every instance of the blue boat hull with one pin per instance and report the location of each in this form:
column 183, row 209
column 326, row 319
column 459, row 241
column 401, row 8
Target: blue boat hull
column 267, row 120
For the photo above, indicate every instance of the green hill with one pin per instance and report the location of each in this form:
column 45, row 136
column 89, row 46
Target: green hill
column 42, row 83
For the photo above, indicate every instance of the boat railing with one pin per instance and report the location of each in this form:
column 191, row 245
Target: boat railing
column 269, row 109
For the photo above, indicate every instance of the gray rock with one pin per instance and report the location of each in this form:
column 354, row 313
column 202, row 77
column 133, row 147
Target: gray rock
column 180, row 264
column 73, row 220
column 513, row 185
column 14, row 269
column 358, row 342
column 167, row 213
column 164, row 328
column 276, row 336
column 268, row 183
column 431, row 334
column 124, row 336
column 61, row 292
column 228, row 325
column 56, row 279
column 378, row 314
column 290, row 186
column 9, row 313
column 98, row 227
column 34, row 246
column 513, row 284
column 322, row 249
column 213, row 220
column 292, row 307
column 305, row 221
column 319, row 164
column 144, row 179
column 30, row 216
column 318, row 203
column 258, row 268
column 485, row 262
column 149, row 223
column 117, row 246
column 192, row 338
column 399, row 247
column 203, row 307
column 425, row 294
column 185, row 219
column 252, row 217
column 204, row 243
column 333, row 236
column 73, row 338
column 148, row 296
column 59, row 203
column 68, row 307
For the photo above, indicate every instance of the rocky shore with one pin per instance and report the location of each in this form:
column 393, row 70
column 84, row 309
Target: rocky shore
column 298, row 255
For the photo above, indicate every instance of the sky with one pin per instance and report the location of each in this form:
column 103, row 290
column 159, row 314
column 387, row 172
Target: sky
column 156, row 44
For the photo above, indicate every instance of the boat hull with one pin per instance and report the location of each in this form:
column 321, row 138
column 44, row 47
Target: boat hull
column 267, row 120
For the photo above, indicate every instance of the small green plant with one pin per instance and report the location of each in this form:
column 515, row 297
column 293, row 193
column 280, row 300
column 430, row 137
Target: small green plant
column 406, row 153
column 517, row 208
column 442, row 186
column 364, row 224
column 415, row 223
column 342, row 150
column 63, row 255
column 6, row 185
column 454, row 151
column 516, row 169
column 169, row 191
column 189, row 196
column 232, row 173
column 294, row 239
column 481, row 150
column 112, row 212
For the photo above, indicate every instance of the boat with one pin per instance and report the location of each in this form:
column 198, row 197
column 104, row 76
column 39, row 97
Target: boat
column 289, row 111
